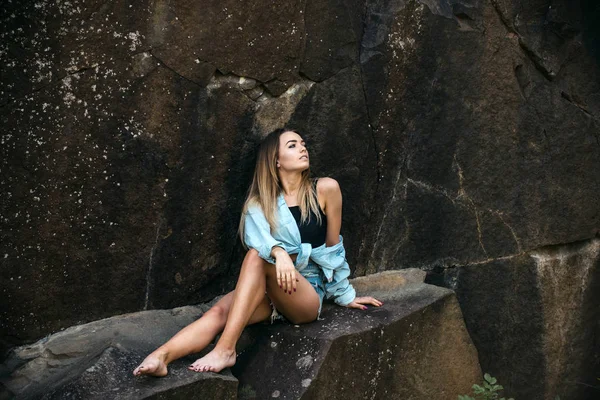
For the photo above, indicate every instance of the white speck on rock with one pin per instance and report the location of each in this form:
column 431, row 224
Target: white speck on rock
column 306, row 382
column 275, row 393
column 304, row 362
column 135, row 40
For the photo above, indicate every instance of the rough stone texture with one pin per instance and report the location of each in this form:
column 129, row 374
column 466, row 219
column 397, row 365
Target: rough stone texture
column 462, row 132
column 489, row 149
column 533, row 318
column 110, row 377
column 96, row 360
column 479, row 152
column 416, row 346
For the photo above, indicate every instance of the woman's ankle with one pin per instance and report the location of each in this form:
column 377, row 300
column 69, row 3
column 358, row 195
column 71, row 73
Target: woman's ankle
column 162, row 354
column 225, row 349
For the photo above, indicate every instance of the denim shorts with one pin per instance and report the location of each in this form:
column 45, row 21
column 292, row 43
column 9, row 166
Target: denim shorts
column 314, row 275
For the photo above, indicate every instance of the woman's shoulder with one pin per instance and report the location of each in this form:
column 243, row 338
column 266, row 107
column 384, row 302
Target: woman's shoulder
column 327, row 185
column 328, row 190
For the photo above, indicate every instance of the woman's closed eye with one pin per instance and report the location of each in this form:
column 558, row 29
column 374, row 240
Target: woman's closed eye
column 294, row 145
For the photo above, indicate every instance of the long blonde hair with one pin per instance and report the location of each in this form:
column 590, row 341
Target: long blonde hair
column 266, row 185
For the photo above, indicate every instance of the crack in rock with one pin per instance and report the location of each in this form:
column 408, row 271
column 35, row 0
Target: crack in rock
column 150, row 265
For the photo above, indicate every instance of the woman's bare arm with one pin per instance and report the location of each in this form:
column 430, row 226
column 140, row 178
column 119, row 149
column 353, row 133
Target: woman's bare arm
column 330, row 197
column 328, row 191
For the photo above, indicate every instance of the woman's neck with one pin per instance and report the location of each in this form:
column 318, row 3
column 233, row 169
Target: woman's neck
column 290, row 183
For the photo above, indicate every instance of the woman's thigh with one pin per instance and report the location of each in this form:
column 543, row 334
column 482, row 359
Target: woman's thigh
column 301, row 306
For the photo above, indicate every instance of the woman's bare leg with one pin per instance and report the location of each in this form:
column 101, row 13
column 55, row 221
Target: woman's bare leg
column 197, row 335
column 256, row 277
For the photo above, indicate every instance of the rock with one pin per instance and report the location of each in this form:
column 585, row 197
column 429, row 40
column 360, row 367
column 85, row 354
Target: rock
column 417, row 336
column 415, row 346
column 383, row 284
column 130, row 219
column 461, row 132
column 110, row 377
column 549, row 296
column 333, row 33
column 479, row 154
column 96, row 361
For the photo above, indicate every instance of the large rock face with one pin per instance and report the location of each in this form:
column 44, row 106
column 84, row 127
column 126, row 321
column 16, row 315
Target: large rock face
column 533, row 318
column 464, row 134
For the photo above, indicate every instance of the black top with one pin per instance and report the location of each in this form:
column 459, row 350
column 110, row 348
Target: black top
column 311, row 232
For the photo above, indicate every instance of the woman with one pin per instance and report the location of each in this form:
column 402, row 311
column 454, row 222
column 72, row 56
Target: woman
column 296, row 257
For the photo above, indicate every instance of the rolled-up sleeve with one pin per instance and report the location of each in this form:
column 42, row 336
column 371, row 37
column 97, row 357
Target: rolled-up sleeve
column 337, row 271
column 257, row 234
column 340, row 289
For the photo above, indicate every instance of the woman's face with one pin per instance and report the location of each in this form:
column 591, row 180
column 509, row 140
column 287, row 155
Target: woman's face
column 293, row 155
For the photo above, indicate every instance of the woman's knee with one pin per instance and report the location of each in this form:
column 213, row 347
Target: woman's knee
column 218, row 312
column 253, row 260
column 253, row 256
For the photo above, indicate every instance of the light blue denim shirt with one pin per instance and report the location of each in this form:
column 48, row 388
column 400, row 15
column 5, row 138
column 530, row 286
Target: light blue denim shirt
column 332, row 260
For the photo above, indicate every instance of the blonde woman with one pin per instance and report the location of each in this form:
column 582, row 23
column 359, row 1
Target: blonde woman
column 291, row 226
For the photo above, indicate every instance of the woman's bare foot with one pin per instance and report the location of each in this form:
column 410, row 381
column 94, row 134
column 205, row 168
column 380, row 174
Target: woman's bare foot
column 153, row 365
column 215, row 361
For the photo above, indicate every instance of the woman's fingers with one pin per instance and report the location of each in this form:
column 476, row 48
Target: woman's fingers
column 369, row 300
column 294, row 280
column 289, row 282
column 373, row 301
column 284, row 281
column 360, row 302
column 279, row 280
column 354, row 304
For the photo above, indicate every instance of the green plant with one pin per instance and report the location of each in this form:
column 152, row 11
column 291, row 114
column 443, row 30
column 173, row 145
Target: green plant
column 489, row 390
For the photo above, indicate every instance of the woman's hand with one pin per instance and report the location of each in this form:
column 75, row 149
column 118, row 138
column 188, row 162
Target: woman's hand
column 285, row 270
column 359, row 302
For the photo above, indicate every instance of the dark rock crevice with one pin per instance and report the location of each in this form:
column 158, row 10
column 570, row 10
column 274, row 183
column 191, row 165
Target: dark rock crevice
column 370, row 119
column 461, row 199
column 165, row 65
column 595, row 120
column 569, row 248
column 304, row 38
column 151, row 261
column 372, row 127
column 536, row 60
column 570, row 99
column 531, row 55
